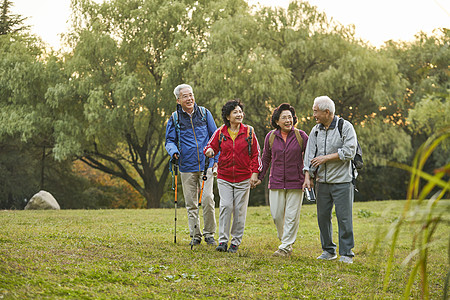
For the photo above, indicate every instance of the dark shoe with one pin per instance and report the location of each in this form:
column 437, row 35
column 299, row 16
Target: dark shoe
column 195, row 242
column 233, row 248
column 210, row 241
column 222, row 247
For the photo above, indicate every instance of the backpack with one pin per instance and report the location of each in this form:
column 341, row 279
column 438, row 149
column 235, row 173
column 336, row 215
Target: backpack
column 357, row 161
column 176, row 122
column 249, row 138
column 297, row 135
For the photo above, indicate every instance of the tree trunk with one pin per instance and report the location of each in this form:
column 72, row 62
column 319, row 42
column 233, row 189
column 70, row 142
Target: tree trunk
column 41, row 184
column 266, row 190
column 153, row 200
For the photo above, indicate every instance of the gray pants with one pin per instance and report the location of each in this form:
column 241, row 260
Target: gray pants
column 233, row 201
column 341, row 194
column 192, row 183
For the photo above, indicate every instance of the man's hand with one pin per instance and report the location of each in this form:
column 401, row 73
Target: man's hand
column 320, row 160
column 175, row 158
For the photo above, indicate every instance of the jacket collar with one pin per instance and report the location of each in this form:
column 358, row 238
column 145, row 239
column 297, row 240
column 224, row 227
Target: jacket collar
column 278, row 132
column 180, row 109
column 242, row 129
column 332, row 125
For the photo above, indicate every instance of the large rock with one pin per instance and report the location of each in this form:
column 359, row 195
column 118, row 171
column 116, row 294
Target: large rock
column 43, row 200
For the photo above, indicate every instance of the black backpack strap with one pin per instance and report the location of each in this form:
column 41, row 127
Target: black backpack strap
column 221, row 137
column 340, row 124
column 249, row 139
column 317, row 132
column 176, row 122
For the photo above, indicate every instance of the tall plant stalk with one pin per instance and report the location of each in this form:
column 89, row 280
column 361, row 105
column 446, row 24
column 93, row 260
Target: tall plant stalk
column 425, row 218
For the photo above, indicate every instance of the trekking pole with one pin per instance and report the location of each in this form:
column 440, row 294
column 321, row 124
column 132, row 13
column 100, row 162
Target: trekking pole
column 174, row 162
column 204, row 178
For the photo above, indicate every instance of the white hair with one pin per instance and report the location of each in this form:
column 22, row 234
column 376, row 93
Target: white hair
column 176, row 91
column 323, row 103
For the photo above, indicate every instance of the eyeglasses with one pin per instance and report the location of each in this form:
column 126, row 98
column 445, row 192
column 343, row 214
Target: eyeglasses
column 284, row 118
column 187, row 96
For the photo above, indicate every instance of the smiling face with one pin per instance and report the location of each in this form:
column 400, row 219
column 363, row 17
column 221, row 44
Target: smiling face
column 323, row 117
column 186, row 100
column 285, row 122
column 236, row 116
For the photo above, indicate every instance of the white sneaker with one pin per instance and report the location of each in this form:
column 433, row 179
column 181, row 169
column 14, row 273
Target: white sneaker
column 327, row 256
column 282, row 253
column 346, row 259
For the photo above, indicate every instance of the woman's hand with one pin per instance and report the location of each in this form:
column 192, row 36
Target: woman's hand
column 308, row 183
column 209, row 153
column 253, row 180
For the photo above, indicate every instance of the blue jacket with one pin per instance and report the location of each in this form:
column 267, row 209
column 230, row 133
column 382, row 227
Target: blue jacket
column 195, row 133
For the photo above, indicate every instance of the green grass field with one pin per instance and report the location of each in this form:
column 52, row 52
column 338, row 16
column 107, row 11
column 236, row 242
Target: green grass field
column 122, row 254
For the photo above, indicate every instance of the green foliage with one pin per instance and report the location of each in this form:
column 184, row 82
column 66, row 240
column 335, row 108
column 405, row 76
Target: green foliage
column 430, row 115
column 117, row 92
column 108, row 99
column 10, row 23
column 423, row 63
column 426, row 214
column 383, row 142
column 19, row 178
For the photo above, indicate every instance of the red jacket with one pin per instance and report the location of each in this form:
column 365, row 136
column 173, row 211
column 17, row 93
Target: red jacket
column 235, row 163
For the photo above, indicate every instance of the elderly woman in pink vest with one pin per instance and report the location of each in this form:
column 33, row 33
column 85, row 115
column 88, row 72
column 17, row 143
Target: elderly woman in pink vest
column 283, row 152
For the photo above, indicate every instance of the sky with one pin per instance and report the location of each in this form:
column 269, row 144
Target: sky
column 375, row 21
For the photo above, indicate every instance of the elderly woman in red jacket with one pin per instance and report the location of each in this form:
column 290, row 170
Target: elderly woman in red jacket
column 239, row 165
column 284, row 148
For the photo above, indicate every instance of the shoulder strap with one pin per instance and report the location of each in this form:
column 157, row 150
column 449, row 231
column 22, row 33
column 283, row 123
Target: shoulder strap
column 249, row 139
column 297, row 135
column 317, row 132
column 299, row 138
column 177, row 127
column 340, row 124
column 271, row 138
column 203, row 112
column 221, row 137
column 175, row 117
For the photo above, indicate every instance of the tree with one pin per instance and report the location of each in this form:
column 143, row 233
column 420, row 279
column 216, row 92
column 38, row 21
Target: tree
column 295, row 55
column 423, row 62
column 10, row 23
column 117, row 93
column 429, row 116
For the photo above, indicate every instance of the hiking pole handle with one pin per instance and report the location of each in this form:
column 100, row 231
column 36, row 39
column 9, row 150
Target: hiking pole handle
column 205, row 168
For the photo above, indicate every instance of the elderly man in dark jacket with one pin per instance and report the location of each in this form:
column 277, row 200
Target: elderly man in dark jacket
column 283, row 152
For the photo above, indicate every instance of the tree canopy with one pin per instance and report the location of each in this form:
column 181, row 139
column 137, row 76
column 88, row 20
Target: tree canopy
column 106, row 101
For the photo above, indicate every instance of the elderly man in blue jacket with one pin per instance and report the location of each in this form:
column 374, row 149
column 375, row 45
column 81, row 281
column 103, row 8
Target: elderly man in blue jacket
column 187, row 133
column 329, row 155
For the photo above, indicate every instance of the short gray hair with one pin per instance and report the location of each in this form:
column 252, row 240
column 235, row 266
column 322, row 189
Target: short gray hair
column 176, row 91
column 323, row 103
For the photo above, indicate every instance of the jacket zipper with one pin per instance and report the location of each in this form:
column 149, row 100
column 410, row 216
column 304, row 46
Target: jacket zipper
column 196, row 144
column 325, row 153
column 234, row 160
column 284, row 161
